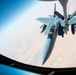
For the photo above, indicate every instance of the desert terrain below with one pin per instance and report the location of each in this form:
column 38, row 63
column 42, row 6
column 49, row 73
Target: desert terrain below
column 28, row 49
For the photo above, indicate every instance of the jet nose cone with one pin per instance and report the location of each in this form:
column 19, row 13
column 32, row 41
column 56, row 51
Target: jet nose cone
column 47, row 50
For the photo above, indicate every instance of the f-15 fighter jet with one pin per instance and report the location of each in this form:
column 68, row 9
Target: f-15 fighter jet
column 56, row 25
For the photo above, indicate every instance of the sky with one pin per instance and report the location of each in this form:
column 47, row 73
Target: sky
column 11, row 8
column 20, row 15
column 14, row 9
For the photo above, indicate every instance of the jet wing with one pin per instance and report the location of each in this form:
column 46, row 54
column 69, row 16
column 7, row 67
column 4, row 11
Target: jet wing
column 72, row 21
column 52, row 23
column 45, row 21
column 51, row 15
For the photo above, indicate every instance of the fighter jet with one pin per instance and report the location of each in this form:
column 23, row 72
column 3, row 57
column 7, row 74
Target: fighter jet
column 56, row 24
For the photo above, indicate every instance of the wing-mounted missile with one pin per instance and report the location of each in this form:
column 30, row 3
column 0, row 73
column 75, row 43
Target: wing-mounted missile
column 43, row 28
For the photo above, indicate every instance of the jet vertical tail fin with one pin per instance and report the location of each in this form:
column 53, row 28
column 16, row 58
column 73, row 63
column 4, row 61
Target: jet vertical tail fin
column 74, row 14
column 54, row 10
column 59, row 15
